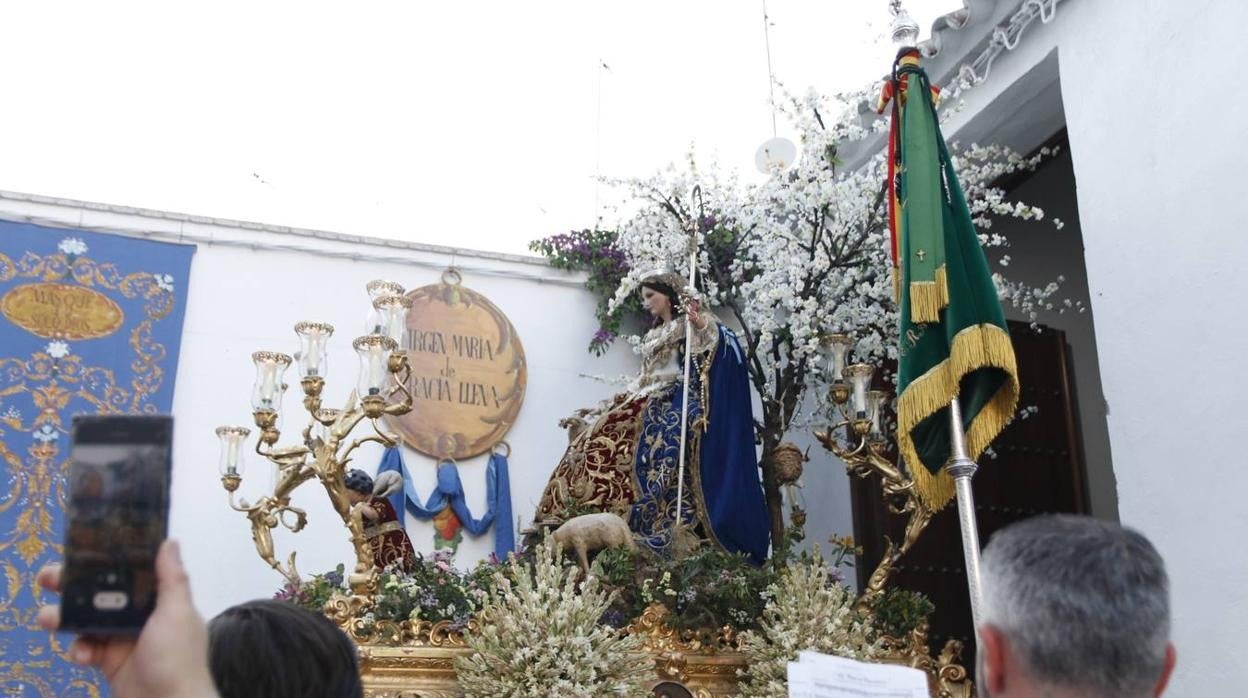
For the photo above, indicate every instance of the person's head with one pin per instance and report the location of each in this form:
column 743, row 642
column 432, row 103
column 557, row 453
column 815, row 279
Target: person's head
column 1073, row 606
column 359, row 485
column 660, row 299
column 279, row 650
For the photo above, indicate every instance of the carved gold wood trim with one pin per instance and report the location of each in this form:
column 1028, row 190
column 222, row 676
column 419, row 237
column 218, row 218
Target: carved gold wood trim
column 705, row 669
column 408, row 672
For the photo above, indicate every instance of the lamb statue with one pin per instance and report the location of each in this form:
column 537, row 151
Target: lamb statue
column 590, row 532
column 387, row 483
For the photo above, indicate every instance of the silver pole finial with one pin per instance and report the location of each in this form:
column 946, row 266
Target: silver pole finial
column 904, row 30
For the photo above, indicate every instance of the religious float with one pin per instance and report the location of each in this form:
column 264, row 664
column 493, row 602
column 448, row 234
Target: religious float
column 824, row 281
column 696, row 623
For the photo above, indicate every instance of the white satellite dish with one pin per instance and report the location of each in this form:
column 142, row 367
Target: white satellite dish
column 777, row 154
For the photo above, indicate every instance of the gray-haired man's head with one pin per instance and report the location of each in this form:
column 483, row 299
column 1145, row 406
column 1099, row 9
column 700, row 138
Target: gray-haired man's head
column 1075, row 606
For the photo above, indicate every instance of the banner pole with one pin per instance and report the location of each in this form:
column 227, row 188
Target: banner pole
column 962, row 468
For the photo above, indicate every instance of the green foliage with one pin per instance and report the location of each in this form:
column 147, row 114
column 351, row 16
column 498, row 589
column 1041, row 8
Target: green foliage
column 433, row 590
column 899, row 611
column 616, row 567
column 704, row 591
column 314, row 593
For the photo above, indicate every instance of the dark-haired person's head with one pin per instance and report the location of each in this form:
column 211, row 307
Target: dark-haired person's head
column 358, row 481
column 1073, row 607
column 660, row 300
column 278, row 650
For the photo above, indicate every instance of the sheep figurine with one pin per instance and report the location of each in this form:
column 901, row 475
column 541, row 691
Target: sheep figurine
column 590, row 532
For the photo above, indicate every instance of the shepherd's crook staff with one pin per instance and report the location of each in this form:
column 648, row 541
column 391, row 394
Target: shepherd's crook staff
column 692, row 247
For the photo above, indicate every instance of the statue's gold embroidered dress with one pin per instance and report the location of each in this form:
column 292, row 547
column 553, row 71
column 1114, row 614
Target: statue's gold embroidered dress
column 627, row 459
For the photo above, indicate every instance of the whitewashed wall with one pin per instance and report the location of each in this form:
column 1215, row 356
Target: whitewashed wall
column 1156, row 126
column 1159, row 162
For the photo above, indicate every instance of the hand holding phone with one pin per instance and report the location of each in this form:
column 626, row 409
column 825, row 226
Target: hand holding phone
column 116, row 519
column 169, row 657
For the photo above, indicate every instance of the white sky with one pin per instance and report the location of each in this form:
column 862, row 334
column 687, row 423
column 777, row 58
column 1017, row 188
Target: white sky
column 470, row 123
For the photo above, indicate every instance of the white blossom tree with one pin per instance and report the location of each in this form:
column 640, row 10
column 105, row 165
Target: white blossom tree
column 802, row 254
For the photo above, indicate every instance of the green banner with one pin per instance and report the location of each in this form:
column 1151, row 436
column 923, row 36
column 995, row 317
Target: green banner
column 954, row 341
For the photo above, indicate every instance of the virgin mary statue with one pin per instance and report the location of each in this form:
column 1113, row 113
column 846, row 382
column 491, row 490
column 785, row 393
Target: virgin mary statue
column 626, row 459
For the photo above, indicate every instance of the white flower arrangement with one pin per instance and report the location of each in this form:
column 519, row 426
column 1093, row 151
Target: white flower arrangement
column 165, row 282
column 808, row 610
column 539, row 636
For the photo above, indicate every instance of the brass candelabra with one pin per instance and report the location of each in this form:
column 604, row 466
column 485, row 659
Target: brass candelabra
column 326, row 446
column 857, row 438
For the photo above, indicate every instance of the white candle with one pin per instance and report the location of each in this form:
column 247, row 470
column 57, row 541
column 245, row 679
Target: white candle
column 268, row 383
column 232, row 441
column 376, row 370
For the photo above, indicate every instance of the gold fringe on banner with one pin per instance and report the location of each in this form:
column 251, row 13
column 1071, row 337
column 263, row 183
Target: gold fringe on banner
column 928, row 298
column 975, row 347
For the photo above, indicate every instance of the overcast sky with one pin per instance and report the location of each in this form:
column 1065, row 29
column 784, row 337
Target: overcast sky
column 469, row 123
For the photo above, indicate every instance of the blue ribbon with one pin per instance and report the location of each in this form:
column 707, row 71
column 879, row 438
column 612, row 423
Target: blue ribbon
column 450, row 492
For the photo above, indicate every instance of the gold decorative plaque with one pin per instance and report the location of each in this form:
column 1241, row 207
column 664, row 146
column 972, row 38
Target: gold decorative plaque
column 468, row 372
column 62, row 311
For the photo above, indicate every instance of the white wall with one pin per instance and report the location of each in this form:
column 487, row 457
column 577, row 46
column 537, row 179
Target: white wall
column 1038, row 255
column 824, row 490
column 1154, row 110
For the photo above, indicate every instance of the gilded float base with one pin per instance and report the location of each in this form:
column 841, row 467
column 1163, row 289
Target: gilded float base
column 429, row 672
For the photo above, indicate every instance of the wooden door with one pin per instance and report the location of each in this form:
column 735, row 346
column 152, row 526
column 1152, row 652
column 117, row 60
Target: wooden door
column 1038, row 469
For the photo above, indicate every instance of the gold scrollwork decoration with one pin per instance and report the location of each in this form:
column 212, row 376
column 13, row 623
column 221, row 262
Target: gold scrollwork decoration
column 867, row 459
column 658, row 636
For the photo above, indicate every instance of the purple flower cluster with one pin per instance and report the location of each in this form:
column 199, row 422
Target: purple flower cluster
column 314, row 592
column 612, row 258
column 596, row 252
column 613, row 618
column 287, row 593
column 428, row 599
column 590, row 249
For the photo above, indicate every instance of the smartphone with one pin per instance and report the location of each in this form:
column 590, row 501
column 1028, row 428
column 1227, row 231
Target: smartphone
column 116, row 518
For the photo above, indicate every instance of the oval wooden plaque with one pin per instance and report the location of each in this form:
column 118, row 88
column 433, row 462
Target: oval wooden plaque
column 62, row 311
column 468, row 372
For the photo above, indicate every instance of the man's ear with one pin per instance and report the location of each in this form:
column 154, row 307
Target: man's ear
column 992, row 659
column 1172, row 656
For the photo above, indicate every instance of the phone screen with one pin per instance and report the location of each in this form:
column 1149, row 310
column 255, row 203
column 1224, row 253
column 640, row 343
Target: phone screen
column 116, row 519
